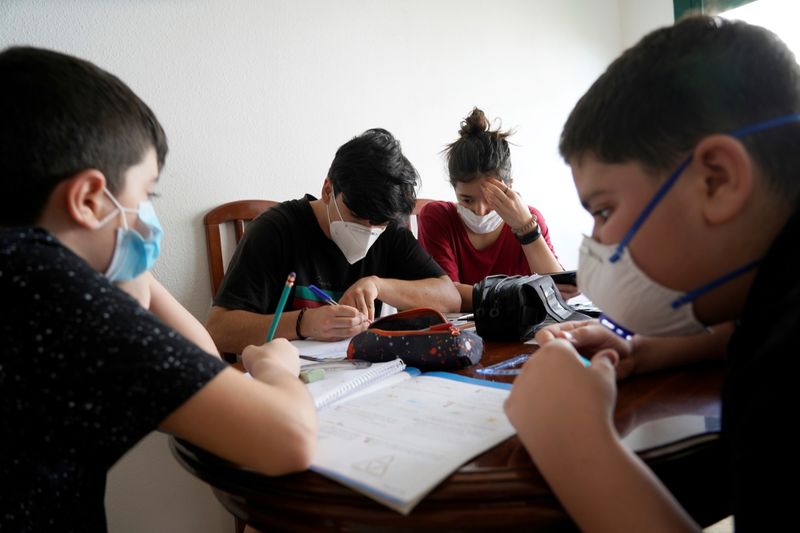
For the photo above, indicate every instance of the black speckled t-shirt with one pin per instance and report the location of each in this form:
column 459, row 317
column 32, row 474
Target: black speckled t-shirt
column 85, row 373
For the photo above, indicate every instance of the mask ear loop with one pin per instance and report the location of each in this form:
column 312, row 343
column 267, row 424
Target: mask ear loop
column 660, row 193
column 120, row 209
column 336, row 205
column 738, row 133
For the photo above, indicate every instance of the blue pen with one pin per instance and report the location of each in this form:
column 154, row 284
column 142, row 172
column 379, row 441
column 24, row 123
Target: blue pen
column 606, row 321
column 505, row 368
column 322, row 294
column 510, row 367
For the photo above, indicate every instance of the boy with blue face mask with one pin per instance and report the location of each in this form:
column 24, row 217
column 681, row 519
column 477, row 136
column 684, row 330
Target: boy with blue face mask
column 685, row 153
column 350, row 243
column 86, row 369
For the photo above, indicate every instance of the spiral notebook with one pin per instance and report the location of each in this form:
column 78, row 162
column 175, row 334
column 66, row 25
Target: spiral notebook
column 349, row 383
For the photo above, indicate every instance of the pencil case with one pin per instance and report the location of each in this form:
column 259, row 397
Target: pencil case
column 421, row 337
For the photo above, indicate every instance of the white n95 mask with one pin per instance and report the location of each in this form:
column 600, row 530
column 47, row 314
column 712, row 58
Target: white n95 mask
column 354, row 240
column 629, row 296
column 479, row 224
column 608, row 276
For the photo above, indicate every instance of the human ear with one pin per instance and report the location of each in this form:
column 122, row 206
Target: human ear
column 726, row 171
column 86, row 198
column 327, row 190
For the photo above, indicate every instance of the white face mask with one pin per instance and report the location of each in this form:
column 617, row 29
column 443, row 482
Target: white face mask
column 608, row 276
column 479, row 224
column 354, row 240
column 628, row 295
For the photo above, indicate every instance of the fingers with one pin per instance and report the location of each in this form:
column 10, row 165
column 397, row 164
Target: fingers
column 365, row 305
column 596, row 337
column 272, row 359
column 605, row 363
column 567, row 291
column 361, row 296
column 507, row 202
column 282, row 345
column 547, row 334
column 497, row 194
column 336, row 322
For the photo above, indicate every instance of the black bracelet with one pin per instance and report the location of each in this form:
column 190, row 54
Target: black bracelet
column 297, row 324
column 529, row 237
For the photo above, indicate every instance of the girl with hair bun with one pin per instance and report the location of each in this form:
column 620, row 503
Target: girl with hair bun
column 490, row 230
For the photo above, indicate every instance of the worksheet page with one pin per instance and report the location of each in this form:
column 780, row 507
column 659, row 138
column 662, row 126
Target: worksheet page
column 397, row 443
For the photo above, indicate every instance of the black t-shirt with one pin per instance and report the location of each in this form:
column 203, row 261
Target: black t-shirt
column 85, row 373
column 760, row 401
column 287, row 238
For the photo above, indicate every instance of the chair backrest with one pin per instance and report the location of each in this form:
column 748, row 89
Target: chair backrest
column 412, row 220
column 238, row 213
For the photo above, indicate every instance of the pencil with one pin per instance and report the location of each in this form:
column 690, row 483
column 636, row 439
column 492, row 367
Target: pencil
column 319, row 292
column 281, row 304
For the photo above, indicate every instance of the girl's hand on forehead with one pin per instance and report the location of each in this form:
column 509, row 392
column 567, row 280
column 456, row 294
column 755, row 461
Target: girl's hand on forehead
column 507, row 202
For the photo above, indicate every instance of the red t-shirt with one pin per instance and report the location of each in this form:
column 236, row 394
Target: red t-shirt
column 442, row 233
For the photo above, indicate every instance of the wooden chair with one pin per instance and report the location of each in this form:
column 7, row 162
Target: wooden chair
column 238, row 212
column 412, row 220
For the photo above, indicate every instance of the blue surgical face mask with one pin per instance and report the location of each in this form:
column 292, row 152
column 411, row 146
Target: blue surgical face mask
column 629, row 298
column 136, row 249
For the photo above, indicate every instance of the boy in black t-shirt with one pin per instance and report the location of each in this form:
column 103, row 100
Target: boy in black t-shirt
column 86, row 369
column 351, row 244
column 685, row 152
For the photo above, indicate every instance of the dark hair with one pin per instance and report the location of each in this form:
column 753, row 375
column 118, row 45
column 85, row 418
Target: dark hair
column 60, row 115
column 378, row 183
column 479, row 151
column 704, row 75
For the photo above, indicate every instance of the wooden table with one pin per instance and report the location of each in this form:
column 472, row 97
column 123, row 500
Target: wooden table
column 500, row 489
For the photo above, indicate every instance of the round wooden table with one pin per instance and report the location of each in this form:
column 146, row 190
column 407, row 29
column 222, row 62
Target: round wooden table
column 500, row 489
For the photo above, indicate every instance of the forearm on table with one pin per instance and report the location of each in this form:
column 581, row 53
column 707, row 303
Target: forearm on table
column 172, row 313
column 656, row 353
column 438, row 293
column 605, row 487
column 274, row 429
column 540, row 258
column 465, row 291
column 233, row 329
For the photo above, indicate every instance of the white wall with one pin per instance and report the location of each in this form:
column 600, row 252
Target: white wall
column 638, row 17
column 256, row 96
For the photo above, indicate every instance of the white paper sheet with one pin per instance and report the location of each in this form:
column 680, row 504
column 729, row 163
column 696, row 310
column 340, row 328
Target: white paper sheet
column 397, row 443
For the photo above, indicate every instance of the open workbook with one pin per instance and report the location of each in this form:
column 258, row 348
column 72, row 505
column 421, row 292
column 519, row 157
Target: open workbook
column 403, row 435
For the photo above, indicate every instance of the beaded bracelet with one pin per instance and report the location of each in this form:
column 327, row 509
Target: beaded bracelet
column 527, row 228
column 297, row 324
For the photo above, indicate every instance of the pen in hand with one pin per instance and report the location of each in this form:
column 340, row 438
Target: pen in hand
column 323, row 295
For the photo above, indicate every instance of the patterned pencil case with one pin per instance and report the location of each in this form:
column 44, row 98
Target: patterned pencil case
column 421, row 337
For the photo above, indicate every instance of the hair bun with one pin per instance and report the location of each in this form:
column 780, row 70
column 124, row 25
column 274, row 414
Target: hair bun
column 475, row 123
